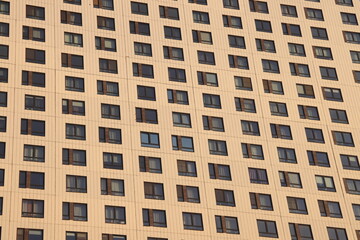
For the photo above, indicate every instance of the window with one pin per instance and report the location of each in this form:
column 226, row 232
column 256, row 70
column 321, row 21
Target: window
column 34, row 153
column 337, row 233
column 349, row 18
column 290, row 179
column 139, row 8
column 356, row 208
column 297, row 205
column 201, row 37
column 3, row 99
column 232, row 4
column 301, row 70
column 202, row 2
column 188, row 194
column 33, row 180
column 149, row 139
column 201, row 17
column 329, row 209
column 35, row 12
column 219, row 171
column 258, row 176
column 186, row 168
column 281, row 131
column 270, row 66
column 107, row 88
column 325, row 183
column 140, row 28
column 32, row 127
column 258, row 6
column 278, row 109
column 328, row 73
column 288, row 10
column 252, row 151
column 206, row 57
column 232, row 22
column 206, row 78
column 182, row 143
column 344, row 2
column 73, row 107
column 150, row 164
column 224, row 197
column 110, row 135
column 320, row 159
column 146, row 93
column 4, row 7
column 74, row 211
column 243, row 83
column 267, row 228
column 110, row 111
column 71, row 18
column 181, row 119
column 351, row 37
column 261, row 201
column 104, row 4
column 73, row 39
column 192, row 221
column 291, row 29
column 213, row 123
column 245, row 105
column 355, row 56
column 322, row 52
column 306, row 91
column 75, row 131
column 35, row 56
column 350, row 162
column 154, row 217
column 332, row 94
column 238, row 62
column 108, row 65
column 4, row 51
column 173, row 53
column 217, row 147
column 76, row 184
column 308, row 112
column 74, row 157
column 113, row 160
column 105, row 23
column 115, row 214
column 1, row 207
column 32, row 208
column 72, row 61
column 178, row 97
column 113, row 237
column 106, row 44
column 296, row 49
column 319, row 33
column 76, row 236
column 76, row 2
column 211, row 101
column 36, row 103
column 263, row 26
column 265, row 45
column 343, row 138
column 287, row 155
column 352, row 186
column 172, row 33
column 300, row 231
column 314, row 135
column 226, row 224
column 4, row 75
column 31, row 33
column 142, row 49
column 356, row 76
column 146, row 115
column 236, row 41
column 143, row 70
column 2, row 149
column 35, row 79
column 250, row 128
column 29, row 234
column 2, row 176
column 2, row 124
column 169, row 12
column 177, row 74
column 114, row 187
column 314, row 14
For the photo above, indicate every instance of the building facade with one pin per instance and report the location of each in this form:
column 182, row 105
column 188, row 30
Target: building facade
column 179, row 119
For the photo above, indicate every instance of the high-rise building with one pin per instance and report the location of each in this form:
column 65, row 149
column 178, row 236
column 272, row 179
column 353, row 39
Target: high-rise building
column 179, row 119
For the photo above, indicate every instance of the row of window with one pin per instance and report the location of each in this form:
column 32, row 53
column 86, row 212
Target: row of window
column 193, row 221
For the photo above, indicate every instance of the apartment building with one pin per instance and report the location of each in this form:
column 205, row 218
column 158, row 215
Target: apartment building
column 179, row 119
